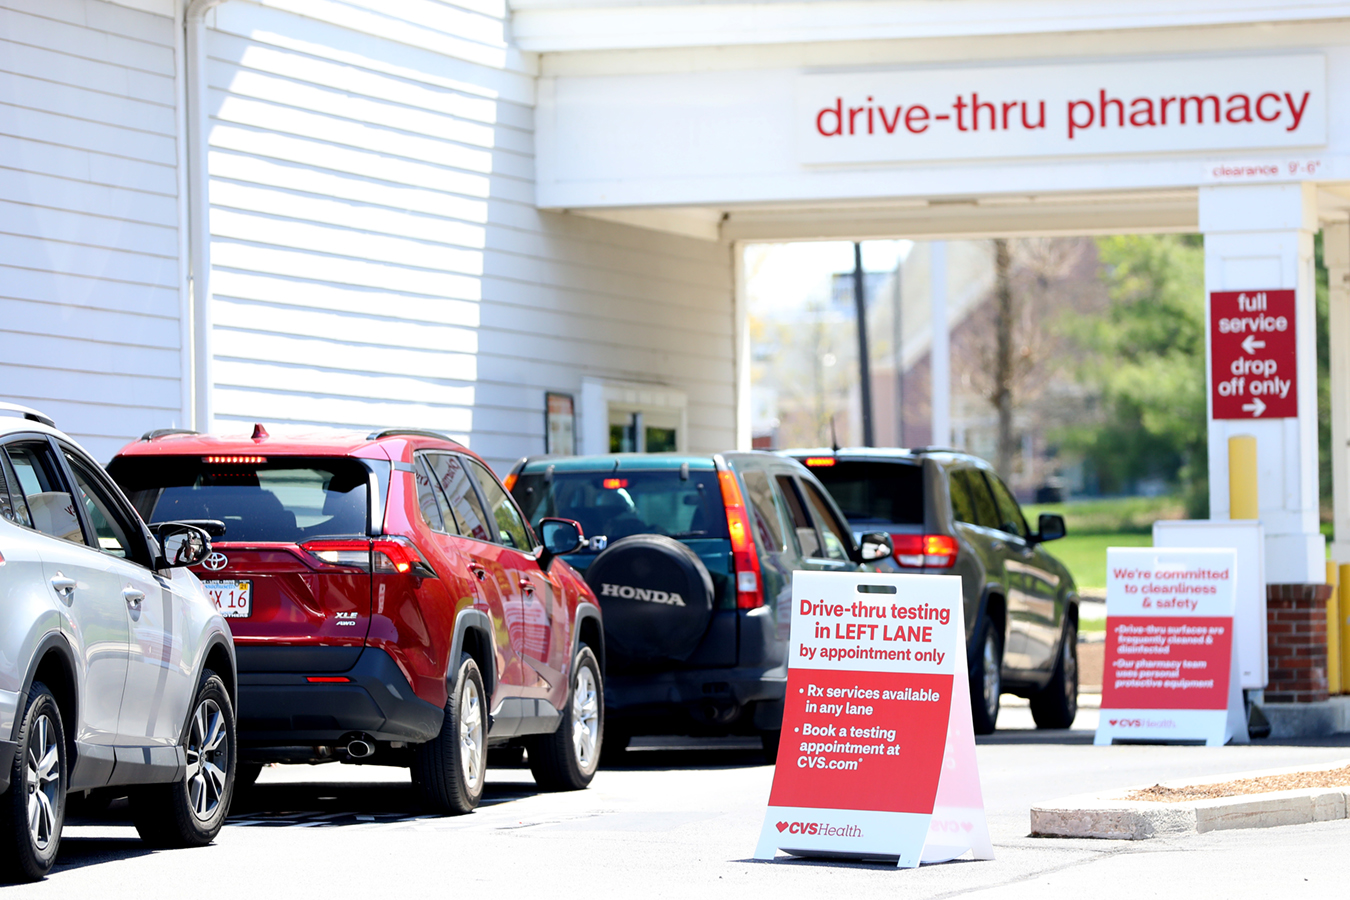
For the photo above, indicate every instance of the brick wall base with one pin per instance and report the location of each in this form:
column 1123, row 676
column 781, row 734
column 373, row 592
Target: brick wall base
column 1296, row 629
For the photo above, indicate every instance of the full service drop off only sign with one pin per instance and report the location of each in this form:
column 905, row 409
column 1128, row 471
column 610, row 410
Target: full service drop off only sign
column 1253, row 355
column 1170, row 672
column 877, row 757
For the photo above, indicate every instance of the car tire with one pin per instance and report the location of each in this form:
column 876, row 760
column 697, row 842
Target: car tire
column 191, row 811
column 770, row 740
column 614, row 749
column 986, row 678
column 566, row 760
column 38, row 777
column 246, row 775
column 1056, row 705
column 450, row 770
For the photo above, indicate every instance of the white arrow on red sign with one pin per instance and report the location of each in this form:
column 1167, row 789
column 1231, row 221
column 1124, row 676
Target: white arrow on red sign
column 1256, row 407
column 1251, row 345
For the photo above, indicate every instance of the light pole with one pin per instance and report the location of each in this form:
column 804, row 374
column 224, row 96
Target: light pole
column 864, row 363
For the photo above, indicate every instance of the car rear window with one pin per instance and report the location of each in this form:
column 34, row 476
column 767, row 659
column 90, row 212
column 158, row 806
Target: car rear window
column 282, row 499
column 875, row 491
column 620, row 504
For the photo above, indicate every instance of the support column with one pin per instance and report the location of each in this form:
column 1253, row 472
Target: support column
column 1336, row 255
column 941, row 354
column 1260, row 237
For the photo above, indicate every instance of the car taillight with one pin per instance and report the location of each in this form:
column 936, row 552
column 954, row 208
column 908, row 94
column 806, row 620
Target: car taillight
column 399, row 556
column 354, row 554
column 919, row 551
column 744, row 556
column 510, row 481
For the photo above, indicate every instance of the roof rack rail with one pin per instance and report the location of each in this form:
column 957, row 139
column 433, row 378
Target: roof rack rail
column 165, row 432
column 28, row 413
column 411, row 432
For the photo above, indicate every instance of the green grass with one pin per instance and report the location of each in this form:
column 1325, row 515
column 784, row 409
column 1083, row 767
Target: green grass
column 1094, row 525
column 1085, row 554
column 1114, row 515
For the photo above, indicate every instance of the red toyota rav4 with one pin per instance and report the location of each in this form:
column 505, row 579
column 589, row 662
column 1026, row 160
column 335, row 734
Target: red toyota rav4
column 389, row 604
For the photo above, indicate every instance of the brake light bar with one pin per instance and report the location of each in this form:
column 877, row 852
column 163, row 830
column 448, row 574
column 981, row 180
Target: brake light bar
column 354, row 554
column 235, row 460
column 818, row 461
column 399, row 556
column 327, row 679
column 924, row 551
column 614, row 483
column 744, row 556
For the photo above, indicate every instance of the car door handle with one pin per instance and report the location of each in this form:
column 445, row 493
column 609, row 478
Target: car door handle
column 133, row 598
column 996, row 545
column 527, row 585
column 478, row 571
column 63, row 585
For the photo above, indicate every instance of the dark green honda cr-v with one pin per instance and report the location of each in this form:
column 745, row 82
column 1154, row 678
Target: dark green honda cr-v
column 691, row 558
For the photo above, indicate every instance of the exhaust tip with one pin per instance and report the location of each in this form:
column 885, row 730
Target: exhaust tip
column 360, row 748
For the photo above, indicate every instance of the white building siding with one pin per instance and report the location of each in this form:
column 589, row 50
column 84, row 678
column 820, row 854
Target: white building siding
column 89, row 271
column 376, row 255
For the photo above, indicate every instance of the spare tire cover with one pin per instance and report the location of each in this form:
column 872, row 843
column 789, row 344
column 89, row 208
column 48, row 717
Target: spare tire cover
column 656, row 596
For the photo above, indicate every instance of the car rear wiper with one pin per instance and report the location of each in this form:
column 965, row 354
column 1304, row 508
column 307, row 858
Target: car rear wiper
column 699, row 533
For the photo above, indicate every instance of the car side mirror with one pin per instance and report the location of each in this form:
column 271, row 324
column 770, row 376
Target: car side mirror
column 560, row 537
column 214, row 527
column 182, row 545
column 1051, row 528
column 875, row 545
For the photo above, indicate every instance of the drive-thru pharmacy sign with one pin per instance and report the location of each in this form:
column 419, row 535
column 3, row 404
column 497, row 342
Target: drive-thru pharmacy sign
column 877, row 758
column 1253, row 357
column 1170, row 672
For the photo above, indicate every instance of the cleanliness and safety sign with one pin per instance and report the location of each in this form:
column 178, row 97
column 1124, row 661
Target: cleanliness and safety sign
column 1170, row 671
column 877, row 758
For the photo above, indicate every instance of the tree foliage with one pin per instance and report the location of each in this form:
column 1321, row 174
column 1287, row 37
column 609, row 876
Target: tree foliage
column 1145, row 357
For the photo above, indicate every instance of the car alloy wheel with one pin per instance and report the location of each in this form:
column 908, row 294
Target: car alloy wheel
column 42, row 781
column 207, row 760
column 471, row 735
column 993, row 677
column 585, row 719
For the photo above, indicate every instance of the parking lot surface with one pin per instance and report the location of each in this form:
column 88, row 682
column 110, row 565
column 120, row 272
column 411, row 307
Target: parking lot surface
column 680, row 819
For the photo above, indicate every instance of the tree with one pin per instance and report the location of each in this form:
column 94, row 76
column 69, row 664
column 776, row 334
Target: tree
column 1146, row 357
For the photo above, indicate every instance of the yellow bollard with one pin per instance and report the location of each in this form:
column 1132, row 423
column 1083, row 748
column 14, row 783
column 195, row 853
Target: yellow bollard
column 1334, row 606
column 1242, row 498
column 1344, row 630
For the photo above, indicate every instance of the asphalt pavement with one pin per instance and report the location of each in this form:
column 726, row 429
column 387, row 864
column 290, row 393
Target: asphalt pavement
column 679, row 818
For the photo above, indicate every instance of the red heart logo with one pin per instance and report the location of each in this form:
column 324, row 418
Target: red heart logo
column 966, row 825
column 782, row 826
column 1113, row 721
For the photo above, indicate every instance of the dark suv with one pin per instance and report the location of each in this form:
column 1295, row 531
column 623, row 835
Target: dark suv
column 389, row 604
column 949, row 513
column 691, row 558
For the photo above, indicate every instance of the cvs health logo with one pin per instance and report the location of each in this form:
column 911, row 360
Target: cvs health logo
column 1128, row 723
column 850, row 831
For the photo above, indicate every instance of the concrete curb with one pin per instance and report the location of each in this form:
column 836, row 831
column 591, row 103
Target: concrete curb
column 1104, row 815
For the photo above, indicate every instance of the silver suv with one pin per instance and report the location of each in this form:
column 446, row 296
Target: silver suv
column 116, row 669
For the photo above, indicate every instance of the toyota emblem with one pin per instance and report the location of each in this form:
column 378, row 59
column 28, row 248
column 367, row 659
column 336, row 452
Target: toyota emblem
column 216, row 561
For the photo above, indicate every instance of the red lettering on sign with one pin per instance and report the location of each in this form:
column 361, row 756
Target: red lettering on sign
column 1253, row 355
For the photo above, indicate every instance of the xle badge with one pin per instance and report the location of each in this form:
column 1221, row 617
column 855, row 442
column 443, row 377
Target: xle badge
column 346, row 618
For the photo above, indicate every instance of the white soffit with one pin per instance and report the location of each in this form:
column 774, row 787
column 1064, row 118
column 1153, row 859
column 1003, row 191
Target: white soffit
column 968, row 217
column 692, row 221
column 550, row 26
